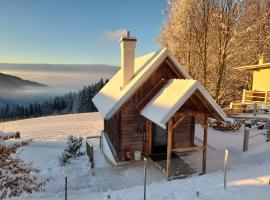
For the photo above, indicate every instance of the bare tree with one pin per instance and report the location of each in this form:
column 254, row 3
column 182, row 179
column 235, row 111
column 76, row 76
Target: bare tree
column 212, row 37
column 229, row 13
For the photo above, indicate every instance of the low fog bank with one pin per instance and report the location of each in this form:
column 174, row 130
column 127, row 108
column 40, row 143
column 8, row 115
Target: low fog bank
column 65, row 77
column 26, row 95
column 60, row 79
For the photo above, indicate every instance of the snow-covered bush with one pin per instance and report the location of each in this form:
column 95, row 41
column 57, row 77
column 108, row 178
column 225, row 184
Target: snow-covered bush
column 72, row 150
column 16, row 177
column 8, row 135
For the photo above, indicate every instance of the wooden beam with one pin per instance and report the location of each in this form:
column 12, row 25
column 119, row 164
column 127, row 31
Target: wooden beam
column 204, row 101
column 199, row 116
column 177, row 122
column 201, row 119
column 173, row 68
column 150, row 94
column 205, row 134
column 188, row 149
column 194, row 102
column 207, row 105
column 189, row 112
column 192, row 124
column 169, row 147
column 149, row 137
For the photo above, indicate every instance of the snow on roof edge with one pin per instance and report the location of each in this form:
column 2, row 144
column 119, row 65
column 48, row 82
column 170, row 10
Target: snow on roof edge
column 212, row 101
column 186, row 95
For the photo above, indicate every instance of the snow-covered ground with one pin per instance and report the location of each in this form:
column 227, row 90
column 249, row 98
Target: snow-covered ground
column 248, row 175
column 56, row 128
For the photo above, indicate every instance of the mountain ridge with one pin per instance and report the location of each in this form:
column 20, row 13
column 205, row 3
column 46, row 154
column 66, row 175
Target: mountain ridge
column 11, row 82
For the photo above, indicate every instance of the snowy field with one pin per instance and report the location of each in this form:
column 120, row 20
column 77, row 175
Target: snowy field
column 248, row 175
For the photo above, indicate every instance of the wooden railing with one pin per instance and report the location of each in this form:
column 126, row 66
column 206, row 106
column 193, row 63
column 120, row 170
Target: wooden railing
column 250, row 96
column 251, row 100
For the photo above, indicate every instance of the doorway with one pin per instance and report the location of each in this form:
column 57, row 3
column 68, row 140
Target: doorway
column 159, row 143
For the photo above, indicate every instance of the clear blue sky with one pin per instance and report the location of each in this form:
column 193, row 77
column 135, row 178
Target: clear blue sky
column 76, row 31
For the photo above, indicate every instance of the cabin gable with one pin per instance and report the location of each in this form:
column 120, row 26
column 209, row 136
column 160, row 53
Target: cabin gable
column 133, row 125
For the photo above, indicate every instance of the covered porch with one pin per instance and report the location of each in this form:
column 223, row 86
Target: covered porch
column 171, row 148
column 176, row 109
column 178, row 138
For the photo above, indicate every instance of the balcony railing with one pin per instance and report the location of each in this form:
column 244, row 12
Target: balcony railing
column 260, row 97
column 251, row 102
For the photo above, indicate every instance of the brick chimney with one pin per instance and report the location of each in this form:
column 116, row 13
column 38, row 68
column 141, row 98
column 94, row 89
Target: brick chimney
column 261, row 58
column 128, row 47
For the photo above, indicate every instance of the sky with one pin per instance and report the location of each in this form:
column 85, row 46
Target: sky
column 76, row 31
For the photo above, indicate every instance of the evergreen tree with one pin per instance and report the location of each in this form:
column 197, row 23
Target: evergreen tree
column 69, row 103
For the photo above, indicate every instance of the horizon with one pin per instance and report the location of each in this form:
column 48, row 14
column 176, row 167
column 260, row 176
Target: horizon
column 81, row 64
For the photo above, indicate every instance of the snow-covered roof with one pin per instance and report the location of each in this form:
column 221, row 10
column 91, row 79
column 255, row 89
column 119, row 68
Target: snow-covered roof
column 111, row 97
column 171, row 97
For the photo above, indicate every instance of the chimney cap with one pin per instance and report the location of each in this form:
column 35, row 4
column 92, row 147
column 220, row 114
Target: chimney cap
column 261, row 58
column 127, row 37
column 127, row 33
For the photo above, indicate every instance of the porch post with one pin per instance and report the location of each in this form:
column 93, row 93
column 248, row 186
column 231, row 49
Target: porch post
column 205, row 134
column 169, row 147
column 148, row 143
column 244, row 96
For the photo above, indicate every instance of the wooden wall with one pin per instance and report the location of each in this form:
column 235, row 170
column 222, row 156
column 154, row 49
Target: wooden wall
column 112, row 129
column 183, row 134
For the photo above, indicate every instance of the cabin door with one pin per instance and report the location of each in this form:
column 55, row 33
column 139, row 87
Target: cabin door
column 159, row 142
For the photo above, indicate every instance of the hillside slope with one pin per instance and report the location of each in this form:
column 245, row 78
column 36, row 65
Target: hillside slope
column 9, row 82
column 56, row 128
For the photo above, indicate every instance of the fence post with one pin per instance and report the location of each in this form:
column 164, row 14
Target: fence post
column 254, row 109
column 100, row 144
column 144, row 192
column 226, row 155
column 66, row 188
column 268, row 135
column 246, row 139
column 92, row 156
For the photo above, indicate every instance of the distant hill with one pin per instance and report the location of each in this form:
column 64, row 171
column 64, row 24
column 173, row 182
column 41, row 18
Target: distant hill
column 9, row 82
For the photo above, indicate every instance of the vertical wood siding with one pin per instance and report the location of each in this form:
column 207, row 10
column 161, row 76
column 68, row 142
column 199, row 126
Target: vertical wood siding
column 112, row 128
column 183, row 133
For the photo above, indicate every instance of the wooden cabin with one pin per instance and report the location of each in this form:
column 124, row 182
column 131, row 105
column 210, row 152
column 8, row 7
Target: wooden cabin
column 260, row 93
column 151, row 105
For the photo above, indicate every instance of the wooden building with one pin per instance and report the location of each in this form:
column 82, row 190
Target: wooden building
column 261, row 74
column 151, row 105
column 260, row 93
